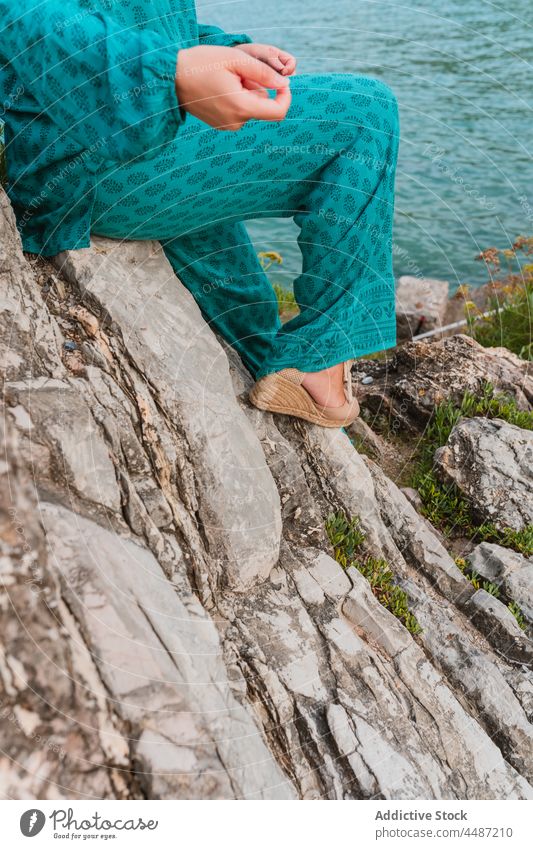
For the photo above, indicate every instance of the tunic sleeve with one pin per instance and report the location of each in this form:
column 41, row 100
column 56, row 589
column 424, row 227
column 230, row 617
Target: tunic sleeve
column 217, row 36
column 107, row 88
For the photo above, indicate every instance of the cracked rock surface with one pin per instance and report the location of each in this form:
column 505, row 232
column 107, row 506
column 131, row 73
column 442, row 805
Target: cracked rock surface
column 511, row 571
column 420, row 375
column 174, row 624
column 491, row 462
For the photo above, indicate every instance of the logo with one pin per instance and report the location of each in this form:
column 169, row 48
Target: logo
column 32, row 822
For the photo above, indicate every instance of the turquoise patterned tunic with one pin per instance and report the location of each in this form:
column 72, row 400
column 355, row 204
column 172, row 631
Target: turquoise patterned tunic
column 83, row 83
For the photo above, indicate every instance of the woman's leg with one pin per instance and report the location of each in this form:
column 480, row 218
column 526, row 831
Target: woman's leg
column 330, row 164
column 219, row 266
column 346, row 291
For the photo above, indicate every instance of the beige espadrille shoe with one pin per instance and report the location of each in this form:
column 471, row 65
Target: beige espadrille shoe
column 282, row 392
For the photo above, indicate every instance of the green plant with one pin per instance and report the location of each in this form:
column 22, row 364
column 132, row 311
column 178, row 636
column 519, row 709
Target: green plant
column 287, row 305
column 493, row 589
column 517, row 613
column 443, row 504
column 511, row 301
column 286, row 300
column 461, row 564
column 347, row 538
column 521, row 540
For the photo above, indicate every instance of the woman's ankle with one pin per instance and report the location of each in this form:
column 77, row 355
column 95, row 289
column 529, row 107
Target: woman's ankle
column 326, row 387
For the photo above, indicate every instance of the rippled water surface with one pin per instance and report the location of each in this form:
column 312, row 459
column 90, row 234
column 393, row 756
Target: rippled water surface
column 462, row 72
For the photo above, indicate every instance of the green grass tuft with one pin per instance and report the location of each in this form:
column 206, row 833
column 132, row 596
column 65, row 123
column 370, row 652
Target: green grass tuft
column 521, row 541
column 511, row 327
column 286, row 300
column 287, row 306
column 517, row 613
column 347, row 538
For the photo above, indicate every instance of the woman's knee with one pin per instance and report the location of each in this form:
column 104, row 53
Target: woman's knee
column 371, row 93
column 386, row 99
column 331, row 95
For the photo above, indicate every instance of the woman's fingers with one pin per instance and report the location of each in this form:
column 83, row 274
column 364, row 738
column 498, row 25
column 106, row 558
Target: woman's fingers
column 225, row 87
column 289, row 62
column 276, row 63
column 258, row 89
column 252, row 69
column 268, row 108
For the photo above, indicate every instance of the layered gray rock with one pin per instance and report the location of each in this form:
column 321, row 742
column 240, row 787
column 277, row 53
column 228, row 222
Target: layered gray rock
column 491, row 462
column 407, row 386
column 493, row 617
column 178, row 358
column 509, row 570
column 421, row 304
column 52, row 722
column 199, row 640
column 159, row 654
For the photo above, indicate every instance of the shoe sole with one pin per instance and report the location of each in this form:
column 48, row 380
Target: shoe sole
column 275, row 394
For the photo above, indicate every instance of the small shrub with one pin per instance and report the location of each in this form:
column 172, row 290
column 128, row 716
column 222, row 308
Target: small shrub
column 345, row 536
column 511, row 301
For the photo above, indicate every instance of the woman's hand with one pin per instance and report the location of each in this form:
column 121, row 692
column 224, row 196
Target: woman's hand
column 225, row 87
column 277, row 59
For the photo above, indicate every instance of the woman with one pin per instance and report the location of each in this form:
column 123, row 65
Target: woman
column 131, row 120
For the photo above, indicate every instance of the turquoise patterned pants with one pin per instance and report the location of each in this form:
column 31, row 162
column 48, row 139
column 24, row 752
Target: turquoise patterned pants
column 330, row 165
